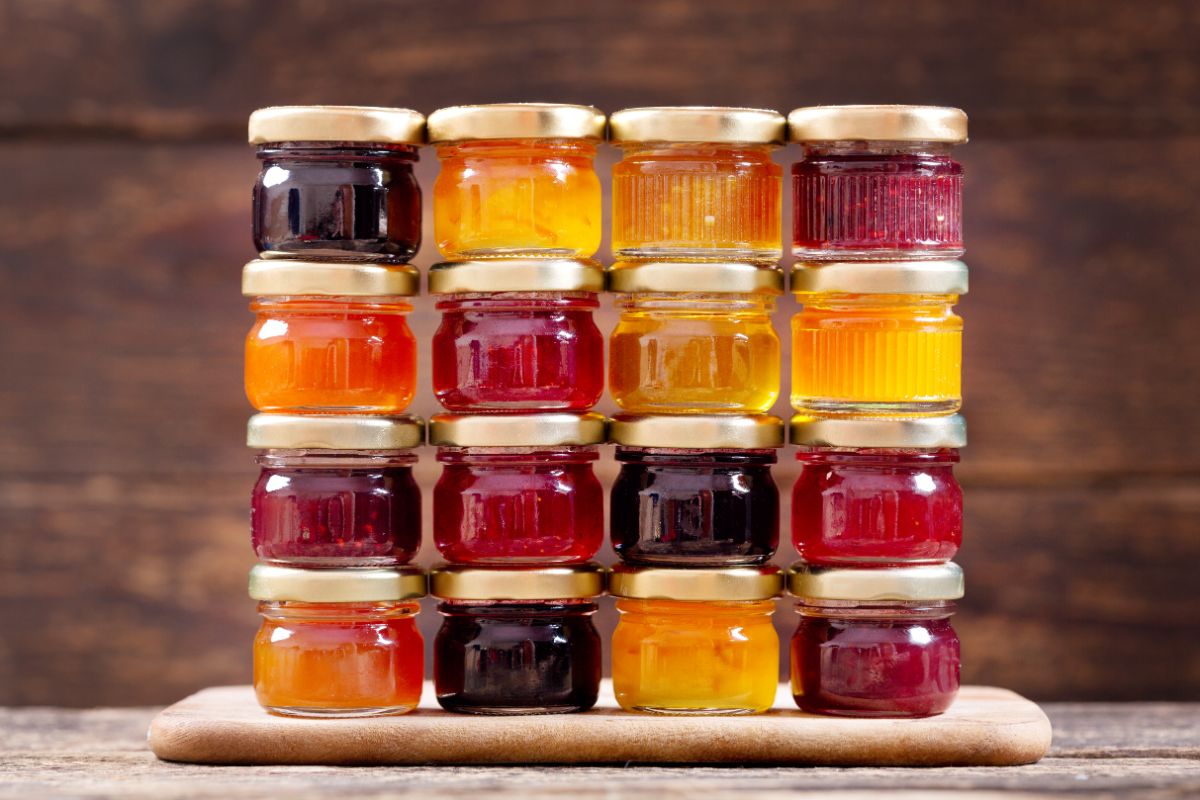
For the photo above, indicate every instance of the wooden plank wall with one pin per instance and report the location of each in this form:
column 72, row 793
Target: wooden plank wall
column 124, row 195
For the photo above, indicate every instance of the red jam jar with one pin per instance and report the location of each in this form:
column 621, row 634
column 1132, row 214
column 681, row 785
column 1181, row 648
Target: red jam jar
column 875, row 643
column 330, row 338
column 877, row 182
column 337, row 182
column 517, row 335
column 335, row 491
column 518, row 489
column 877, row 492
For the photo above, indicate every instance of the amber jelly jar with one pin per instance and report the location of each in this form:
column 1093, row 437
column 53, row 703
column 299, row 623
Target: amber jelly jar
column 517, row 180
column 517, row 641
column 338, row 643
column 337, row 182
column 697, row 183
column 877, row 183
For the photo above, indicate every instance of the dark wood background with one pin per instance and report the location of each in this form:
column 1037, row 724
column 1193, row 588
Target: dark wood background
column 124, row 201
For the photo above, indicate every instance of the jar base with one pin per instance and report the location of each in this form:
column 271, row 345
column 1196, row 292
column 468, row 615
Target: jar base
column 336, row 562
column 485, row 253
column 688, row 560
column 832, row 407
column 295, row 250
column 696, row 712
column 869, row 713
column 516, row 711
column 876, row 254
column 701, row 254
column 335, row 713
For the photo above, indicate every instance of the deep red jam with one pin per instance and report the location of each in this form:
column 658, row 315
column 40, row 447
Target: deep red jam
column 877, row 202
column 518, row 505
column 332, row 199
column 527, row 352
column 314, row 511
column 876, row 506
column 894, row 660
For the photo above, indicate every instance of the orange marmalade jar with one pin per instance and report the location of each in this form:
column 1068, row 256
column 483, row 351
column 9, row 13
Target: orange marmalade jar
column 697, row 184
column 338, row 642
column 330, row 338
column 517, row 179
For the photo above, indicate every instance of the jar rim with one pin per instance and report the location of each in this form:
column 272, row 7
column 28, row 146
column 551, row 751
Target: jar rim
column 464, row 582
column 695, row 583
column 701, row 432
column 698, row 124
column 291, row 277
column 516, row 275
column 272, row 583
column 516, row 430
column 366, row 124
column 885, row 123
column 630, row 277
column 880, row 277
column 933, row 433
column 928, row 582
column 516, row 121
column 334, row 432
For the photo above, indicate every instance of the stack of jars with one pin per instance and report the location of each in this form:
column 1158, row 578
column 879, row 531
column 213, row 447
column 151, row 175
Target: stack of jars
column 331, row 367
column 517, row 363
column 694, row 366
column 877, row 353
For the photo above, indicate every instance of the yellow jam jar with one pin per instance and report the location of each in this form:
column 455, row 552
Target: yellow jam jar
column 878, row 339
column 695, row 641
column 697, row 183
column 517, row 179
column 694, row 339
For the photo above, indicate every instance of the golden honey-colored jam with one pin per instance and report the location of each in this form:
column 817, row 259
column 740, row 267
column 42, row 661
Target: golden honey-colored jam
column 690, row 353
column 518, row 197
column 866, row 355
column 700, row 657
column 697, row 201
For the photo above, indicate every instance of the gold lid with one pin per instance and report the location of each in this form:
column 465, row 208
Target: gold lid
column 336, row 585
column 696, row 431
column 267, row 277
column 906, row 584
column 366, row 124
column 516, row 430
column 333, row 432
column 698, row 124
column 880, row 277
column 460, row 582
column 516, row 121
column 627, row 277
column 917, row 433
column 878, row 123
column 516, row 275
column 661, row 583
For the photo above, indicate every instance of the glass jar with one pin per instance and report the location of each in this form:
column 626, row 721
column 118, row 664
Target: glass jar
column 695, row 641
column 330, row 338
column 517, row 641
column 695, row 491
column 694, row 339
column 517, row 336
column 877, row 182
column 697, row 183
column 338, row 643
column 335, row 491
column 878, row 339
column 877, row 492
column 518, row 489
column 517, row 180
column 337, row 182
column 875, row 643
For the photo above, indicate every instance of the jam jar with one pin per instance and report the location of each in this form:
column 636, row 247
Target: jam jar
column 695, row 490
column 517, row 640
column 695, row 641
column 875, row 642
column 517, row 335
column 878, row 339
column 517, row 180
column 518, row 489
column 694, row 339
column 877, row 182
column 330, row 337
column 877, row 492
column 337, row 182
column 697, row 183
column 338, row 643
column 335, row 491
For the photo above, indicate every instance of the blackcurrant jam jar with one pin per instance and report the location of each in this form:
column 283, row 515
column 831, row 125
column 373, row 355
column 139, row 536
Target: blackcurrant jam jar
column 517, row 641
column 517, row 335
column 877, row 182
column 695, row 490
column 335, row 491
column 875, row 642
column 337, row 182
column 518, row 489
column 877, row 492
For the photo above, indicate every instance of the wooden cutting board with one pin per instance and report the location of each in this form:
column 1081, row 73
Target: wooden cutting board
column 224, row 725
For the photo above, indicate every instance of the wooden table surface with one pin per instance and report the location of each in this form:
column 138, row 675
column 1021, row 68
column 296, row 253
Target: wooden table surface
column 1107, row 749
